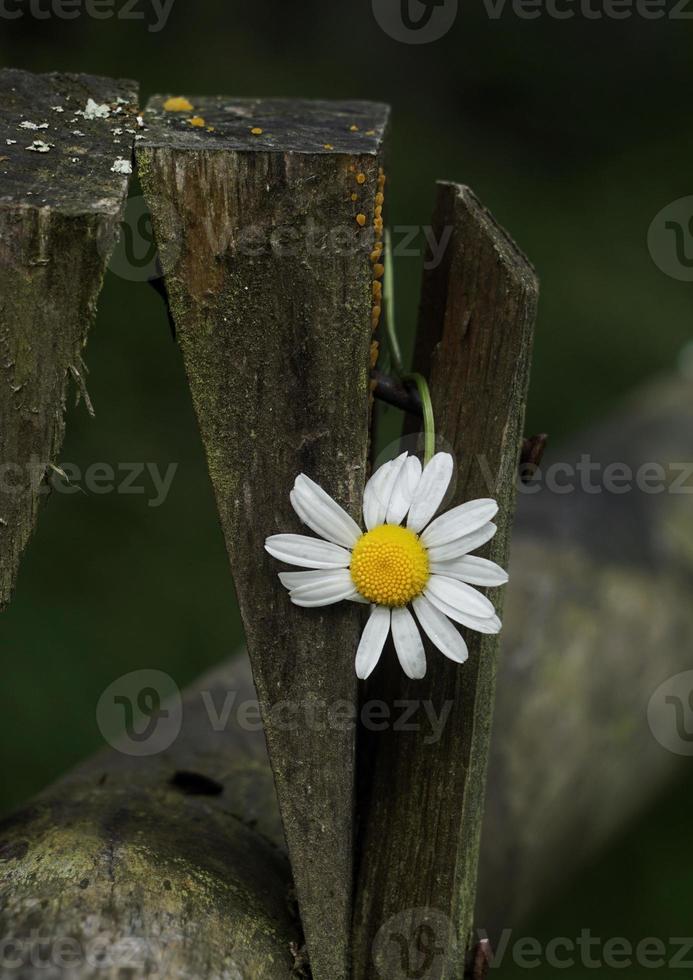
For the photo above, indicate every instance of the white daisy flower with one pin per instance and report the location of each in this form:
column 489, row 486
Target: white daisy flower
column 426, row 563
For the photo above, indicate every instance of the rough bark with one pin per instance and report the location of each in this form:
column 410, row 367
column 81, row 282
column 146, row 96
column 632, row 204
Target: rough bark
column 597, row 615
column 59, row 214
column 271, row 205
column 422, row 805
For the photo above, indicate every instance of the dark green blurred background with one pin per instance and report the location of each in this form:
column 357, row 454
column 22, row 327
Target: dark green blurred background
column 575, row 133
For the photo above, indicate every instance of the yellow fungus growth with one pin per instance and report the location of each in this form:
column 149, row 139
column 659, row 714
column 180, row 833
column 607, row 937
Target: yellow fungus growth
column 256, row 131
column 178, row 104
column 376, row 311
column 197, row 121
column 389, row 565
column 360, row 178
column 354, row 197
column 328, row 146
column 380, row 198
column 353, row 129
column 377, row 290
column 370, row 132
column 375, row 350
column 379, row 211
column 378, row 270
column 361, row 220
column 211, row 129
column 377, row 252
column 378, row 225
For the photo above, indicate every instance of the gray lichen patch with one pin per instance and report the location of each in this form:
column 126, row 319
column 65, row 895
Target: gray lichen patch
column 48, row 120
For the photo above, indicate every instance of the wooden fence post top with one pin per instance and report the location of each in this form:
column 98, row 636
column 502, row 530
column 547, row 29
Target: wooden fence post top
column 66, row 141
column 65, row 163
column 270, row 125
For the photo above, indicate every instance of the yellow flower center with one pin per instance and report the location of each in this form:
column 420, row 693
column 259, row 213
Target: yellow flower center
column 389, row 565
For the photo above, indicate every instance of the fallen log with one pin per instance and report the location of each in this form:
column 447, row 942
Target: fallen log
column 171, row 864
column 598, row 615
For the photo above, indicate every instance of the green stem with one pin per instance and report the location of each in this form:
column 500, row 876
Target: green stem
column 389, row 290
column 429, row 421
column 396, row 354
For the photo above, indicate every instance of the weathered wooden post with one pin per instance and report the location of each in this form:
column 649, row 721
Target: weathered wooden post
column 274, row 205
column 422, row 804
column 65, row 159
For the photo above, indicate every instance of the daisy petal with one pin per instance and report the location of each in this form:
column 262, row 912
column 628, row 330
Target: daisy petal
column 372, row 496
column 294, row 580
column 357, row 597
column 311, row 518
column 460, row 596
column 459, row 522
column 490, row 624
column 471, row 569
column 404, row 490
column 372, row 641
column 408, row 644
column 440, row 630
column 376, row 498
column 299, row 549
column 335, row 585
column 321, row 513
column 462, row 546
column 432, row 487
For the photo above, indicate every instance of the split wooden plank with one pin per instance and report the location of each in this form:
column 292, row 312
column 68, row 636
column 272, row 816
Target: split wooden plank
column 264, row 212
column 422, row 804
column 64, row 173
